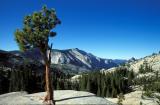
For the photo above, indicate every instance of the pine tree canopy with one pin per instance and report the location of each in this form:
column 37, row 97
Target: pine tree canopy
column 37, row 29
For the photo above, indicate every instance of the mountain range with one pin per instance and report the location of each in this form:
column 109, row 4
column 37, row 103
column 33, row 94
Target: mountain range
column 134, row 64
column 74, row 57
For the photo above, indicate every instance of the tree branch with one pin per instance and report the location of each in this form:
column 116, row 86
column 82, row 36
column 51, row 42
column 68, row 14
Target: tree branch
column 50, row 51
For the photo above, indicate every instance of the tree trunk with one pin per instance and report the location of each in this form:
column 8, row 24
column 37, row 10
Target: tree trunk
column 49, row 97
column 49, row 89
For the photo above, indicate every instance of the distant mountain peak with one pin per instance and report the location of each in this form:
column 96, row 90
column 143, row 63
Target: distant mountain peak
column 75, row 49
column 81, row 58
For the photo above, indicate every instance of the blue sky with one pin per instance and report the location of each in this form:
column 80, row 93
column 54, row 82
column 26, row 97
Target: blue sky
column 106, row 28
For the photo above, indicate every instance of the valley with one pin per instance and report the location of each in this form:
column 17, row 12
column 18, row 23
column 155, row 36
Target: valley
column 82, row 52
column 72, row 76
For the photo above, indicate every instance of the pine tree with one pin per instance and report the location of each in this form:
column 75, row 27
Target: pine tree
column 103, row 86
column 114, row 92
column 157, row 75
column 58, row 85
column 35, row 33
column 66, row 85
column 108, row 92
column 99, row 91
column 88, row 85
column 130, row 77
column 120, row 99
column 141, row 69
column 99, row 84
column 83, row 83
column 104, row 91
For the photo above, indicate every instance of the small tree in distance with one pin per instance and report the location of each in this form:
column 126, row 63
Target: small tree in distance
column 36, row 31
column 120, row 99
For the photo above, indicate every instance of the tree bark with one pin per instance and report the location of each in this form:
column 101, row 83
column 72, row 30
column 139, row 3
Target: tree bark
column 49, row 97
column 49, row 88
